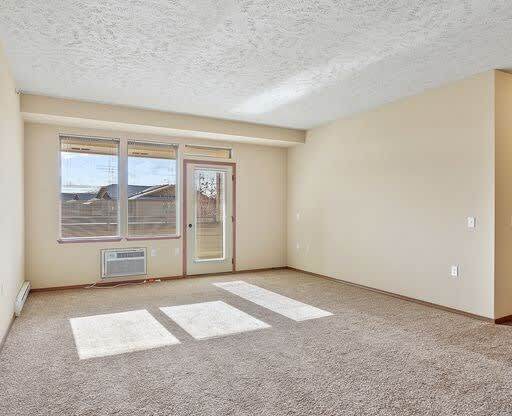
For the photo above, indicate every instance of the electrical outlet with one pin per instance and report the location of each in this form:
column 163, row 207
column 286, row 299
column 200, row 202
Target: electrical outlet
column 471, row 221
column 454, row 271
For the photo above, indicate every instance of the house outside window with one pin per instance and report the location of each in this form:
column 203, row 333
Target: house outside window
column 151, row 189
column 89, row 202
column 90, row 190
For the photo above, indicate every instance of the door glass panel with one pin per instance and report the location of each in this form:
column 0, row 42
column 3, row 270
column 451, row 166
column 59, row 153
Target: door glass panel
column 209, row 186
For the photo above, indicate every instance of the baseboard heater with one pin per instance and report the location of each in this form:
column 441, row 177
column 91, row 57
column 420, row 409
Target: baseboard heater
column 123, row 262
column 21, row 298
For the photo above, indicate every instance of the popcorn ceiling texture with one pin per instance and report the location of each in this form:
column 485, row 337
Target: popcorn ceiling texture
column 289, row 63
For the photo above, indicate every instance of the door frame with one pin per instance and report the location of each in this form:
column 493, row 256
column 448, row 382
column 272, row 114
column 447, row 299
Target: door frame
column 184, row 222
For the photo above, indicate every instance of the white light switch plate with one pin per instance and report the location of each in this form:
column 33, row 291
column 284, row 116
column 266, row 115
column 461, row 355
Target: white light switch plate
column 454, row 271
column 471, row 222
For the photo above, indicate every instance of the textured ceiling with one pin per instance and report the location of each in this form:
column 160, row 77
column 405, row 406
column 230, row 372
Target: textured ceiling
column 288, row 63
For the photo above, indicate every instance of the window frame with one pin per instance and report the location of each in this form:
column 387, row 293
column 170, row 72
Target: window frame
column 177, row 191
column 117, row 237
column 122, row 182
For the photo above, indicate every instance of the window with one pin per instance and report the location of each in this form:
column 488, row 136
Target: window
column 204, row 151
column 151, row 189
column 89, row 187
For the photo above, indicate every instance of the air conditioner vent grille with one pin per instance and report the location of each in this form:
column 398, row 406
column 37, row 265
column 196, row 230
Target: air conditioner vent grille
column 129, row 254
column 123, row 262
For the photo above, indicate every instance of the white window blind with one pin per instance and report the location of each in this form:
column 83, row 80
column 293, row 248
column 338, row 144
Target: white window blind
column 208, row 152
column 89, row 187
column 151, row 189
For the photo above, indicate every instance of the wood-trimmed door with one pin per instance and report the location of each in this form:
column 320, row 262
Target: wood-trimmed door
column 209, row 217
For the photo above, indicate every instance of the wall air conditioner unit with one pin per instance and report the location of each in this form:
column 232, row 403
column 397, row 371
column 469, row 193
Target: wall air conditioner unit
column 123, row 262
column 21, row 298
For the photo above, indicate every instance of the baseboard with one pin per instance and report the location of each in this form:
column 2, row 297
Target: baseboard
column 4, row 338
column 266, row 269
column 503, row 320
column 96, row 284
column 402, row 297
column 123, row 282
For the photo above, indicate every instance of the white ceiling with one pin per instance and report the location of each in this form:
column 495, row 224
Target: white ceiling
column 287, row 63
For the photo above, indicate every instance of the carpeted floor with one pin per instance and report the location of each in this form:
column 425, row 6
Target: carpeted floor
column 376, row 355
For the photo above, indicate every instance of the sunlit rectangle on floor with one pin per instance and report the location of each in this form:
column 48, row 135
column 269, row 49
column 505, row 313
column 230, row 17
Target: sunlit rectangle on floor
column 117, row 333
column 212, row 319
column 290, row 308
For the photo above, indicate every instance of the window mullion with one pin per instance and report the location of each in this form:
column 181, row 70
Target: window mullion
column 123, row 188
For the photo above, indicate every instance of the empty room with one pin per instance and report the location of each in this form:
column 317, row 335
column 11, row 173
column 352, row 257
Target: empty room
column 255, row 207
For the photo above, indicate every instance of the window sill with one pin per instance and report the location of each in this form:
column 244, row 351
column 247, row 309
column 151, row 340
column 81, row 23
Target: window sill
column 173, row 237
column 88, row 240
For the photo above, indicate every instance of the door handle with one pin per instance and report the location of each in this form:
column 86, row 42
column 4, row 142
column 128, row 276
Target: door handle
column 190, row 226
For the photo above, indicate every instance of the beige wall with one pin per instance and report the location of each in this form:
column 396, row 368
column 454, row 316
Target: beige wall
column 381, row 199
column 503, row 173
column 11, row 185
column 261, row 210
column 50, row 110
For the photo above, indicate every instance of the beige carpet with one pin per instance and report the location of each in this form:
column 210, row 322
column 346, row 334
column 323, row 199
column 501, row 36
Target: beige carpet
column 376, row 355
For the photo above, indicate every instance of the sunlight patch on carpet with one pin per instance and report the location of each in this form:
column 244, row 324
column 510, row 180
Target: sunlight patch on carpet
column 118, row 333
column 212, row 319
column 283, row 305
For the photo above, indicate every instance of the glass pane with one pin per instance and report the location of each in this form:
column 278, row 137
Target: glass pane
column 89, row 187
column 205, row 151
column 151, row 189
column 210, row 214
